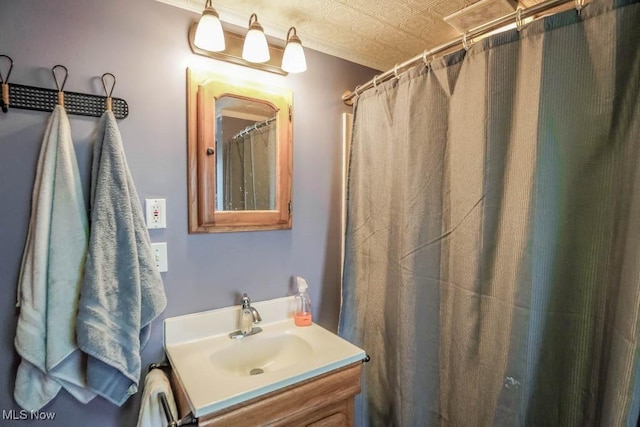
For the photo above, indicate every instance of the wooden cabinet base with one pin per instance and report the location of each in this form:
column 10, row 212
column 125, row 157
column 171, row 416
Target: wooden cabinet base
column 325, row 400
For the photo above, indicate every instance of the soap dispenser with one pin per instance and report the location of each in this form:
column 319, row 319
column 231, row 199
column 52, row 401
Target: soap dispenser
column 302, row 315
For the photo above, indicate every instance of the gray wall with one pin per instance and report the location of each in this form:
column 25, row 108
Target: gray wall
column 144, row 44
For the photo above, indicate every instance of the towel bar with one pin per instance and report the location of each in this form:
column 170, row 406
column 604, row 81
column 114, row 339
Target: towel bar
column 188, row 420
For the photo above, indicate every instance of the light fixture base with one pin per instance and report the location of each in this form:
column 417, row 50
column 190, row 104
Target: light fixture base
column 233, row 52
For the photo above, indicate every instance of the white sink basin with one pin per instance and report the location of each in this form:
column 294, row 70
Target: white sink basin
column 217, row 372
column 259, row 354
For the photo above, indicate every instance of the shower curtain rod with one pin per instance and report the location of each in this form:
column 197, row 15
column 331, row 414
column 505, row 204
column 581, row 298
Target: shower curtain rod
column 463, row 40
column 256, row 126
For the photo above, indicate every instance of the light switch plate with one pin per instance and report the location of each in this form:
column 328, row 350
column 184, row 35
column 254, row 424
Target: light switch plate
column 160, row 256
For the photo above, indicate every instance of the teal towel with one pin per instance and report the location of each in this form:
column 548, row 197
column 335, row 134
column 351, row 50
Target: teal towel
column 122, row 290
column 51, row 275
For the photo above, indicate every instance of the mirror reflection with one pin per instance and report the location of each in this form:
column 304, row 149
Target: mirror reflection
column 246, row 154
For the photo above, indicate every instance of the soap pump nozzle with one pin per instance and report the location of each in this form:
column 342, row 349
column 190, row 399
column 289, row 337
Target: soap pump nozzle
column 302, row 284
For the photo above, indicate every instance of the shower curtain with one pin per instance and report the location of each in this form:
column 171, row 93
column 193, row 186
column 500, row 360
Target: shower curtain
column 492, row 265
column 249, row 171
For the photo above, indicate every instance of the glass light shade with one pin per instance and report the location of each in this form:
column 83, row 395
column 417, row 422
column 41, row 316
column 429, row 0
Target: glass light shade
column 209, row 35
column 255, row 47
column 293, row 60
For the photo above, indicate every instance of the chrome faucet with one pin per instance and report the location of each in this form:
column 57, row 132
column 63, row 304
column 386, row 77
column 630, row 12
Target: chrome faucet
column 248, row 317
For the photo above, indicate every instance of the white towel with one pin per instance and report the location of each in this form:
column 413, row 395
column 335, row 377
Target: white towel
column 122, row 291
column 51, row 275
column 151, row 412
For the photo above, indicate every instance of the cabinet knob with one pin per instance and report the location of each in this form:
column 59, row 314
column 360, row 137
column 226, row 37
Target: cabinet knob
column 210, row 151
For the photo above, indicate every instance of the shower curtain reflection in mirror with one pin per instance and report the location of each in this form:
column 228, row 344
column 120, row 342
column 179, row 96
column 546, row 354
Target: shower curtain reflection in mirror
column 247, row 180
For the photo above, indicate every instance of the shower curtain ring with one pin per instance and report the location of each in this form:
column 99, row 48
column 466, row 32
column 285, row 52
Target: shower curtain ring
column 356, row 92
column 395, row 71
column 465, row 42
column 375, row 82
column 579, row 5
column 519, row 24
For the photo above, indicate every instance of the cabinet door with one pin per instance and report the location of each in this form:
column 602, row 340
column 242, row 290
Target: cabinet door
column 334, row 420
column 323, row 401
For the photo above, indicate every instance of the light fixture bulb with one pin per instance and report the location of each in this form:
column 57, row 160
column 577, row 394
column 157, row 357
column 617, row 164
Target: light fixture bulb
column 293, row 60
column 209, row 35
column 255, row 47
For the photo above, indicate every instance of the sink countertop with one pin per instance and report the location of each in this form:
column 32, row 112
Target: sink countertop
column 196, row 345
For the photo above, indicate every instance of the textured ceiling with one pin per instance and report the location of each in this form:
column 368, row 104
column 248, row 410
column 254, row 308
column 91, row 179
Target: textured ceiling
column 375, row 33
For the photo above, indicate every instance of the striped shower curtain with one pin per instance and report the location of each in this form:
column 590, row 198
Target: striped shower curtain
column 492, row 267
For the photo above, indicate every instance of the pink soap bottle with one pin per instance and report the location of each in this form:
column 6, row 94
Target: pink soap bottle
column 302, row 316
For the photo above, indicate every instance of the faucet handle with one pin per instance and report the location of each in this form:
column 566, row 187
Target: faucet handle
column 245, row 301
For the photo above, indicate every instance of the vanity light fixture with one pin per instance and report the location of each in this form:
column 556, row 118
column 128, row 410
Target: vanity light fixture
column 209, row 35
column 293, row 60
column 255, row 47
column 251, row 50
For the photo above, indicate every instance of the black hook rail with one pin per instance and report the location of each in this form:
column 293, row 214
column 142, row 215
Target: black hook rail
column 81, row 104
column 43, row 99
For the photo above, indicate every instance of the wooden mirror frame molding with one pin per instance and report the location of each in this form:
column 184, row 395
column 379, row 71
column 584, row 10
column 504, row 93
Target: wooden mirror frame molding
column 203, row 88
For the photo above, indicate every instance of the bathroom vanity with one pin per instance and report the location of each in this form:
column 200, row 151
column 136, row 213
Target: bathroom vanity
column 283, row 375
column 325, row 400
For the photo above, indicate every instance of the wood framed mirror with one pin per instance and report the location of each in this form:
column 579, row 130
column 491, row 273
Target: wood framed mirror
column 239, row 155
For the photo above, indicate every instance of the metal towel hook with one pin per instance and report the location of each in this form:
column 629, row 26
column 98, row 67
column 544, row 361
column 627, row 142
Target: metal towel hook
column 60, row 88
column 4, row 101
column 108, row 105
column 55, row 78
column 108, row 92
column 5, row 80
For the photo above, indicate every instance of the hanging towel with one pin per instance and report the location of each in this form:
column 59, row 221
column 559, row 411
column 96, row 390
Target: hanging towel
column 51, row 275
column 122, row 291
column 151, row 412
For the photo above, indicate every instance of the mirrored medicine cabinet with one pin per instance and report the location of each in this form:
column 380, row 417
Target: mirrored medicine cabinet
column 239, row 154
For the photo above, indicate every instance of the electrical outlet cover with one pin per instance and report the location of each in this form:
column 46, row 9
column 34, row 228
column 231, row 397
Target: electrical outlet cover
column 156, row 213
